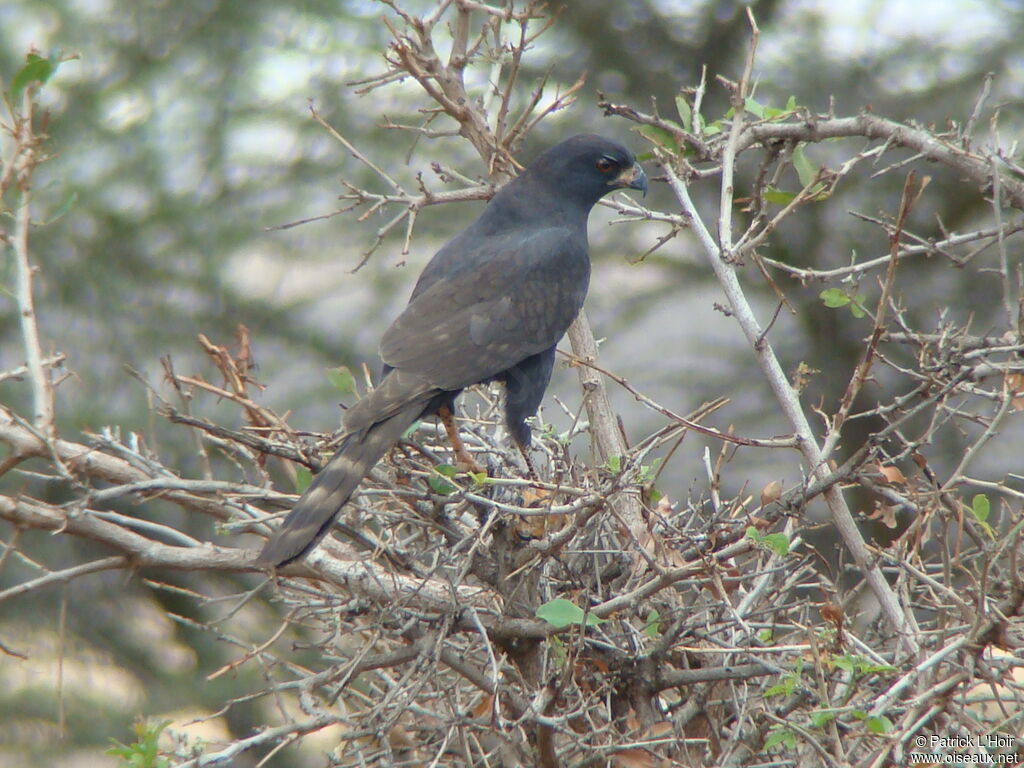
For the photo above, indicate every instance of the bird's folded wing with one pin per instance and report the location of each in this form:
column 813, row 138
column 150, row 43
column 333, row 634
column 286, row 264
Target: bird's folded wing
column 476, row 324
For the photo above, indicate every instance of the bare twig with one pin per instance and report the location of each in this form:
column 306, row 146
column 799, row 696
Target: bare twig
column 24, row 162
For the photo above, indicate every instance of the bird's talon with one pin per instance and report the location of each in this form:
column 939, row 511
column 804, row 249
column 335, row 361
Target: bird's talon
column 466, row 463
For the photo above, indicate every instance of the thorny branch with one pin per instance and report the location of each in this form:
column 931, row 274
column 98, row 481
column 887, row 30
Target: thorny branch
column 25, row 156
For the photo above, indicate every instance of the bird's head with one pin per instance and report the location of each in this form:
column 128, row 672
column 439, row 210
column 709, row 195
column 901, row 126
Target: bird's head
column 586, row 167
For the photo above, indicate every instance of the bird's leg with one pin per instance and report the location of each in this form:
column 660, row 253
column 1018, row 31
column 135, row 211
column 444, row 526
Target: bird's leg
column 524, row 451
column 462, row 457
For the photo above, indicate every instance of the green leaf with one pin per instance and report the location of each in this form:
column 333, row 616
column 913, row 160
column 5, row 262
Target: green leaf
column 145, row 752
column 804, row 170
column 857, row 306
column 823, row 717
column 440, row 486
column 777, row 543
column 773, row 542
column 981, row 508
column 766, row 635
column 560, row 652
column 777, row 196
column 479, row 478
column 653, row 627
column 562, row 613
column 303, row 478
column 845, row 663
column 655, row 495
column 685, row 113
column 660, row 136
column 780, row 737
column 791, row 104
column 647, row 471
column 342, row 379
column 754, row 107
column 712, row 129
column 614, row 465
column 819, row 193
column 785, row 688
column 880, row 724
column 834, row 297
column 36, row 70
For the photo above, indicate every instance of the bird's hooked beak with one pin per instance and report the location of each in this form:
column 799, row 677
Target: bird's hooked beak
column 633, row 178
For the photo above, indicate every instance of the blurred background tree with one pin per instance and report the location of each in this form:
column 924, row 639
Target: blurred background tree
column 181, row 134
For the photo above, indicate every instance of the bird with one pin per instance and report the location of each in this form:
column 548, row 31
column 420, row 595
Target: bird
column 491, row 305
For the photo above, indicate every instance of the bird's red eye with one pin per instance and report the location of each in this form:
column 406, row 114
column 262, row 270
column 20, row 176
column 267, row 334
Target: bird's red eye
column 605, row 164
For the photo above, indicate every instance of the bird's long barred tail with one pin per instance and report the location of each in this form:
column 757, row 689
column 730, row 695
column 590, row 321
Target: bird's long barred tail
column 311, row 518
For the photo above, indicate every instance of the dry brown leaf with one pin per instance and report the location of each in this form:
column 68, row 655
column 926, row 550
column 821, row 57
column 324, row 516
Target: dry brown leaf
column 483, row 709
column 886, row 513
column 802, row 376
column 533, row 497
column 647, row 543
column 1015, row 386
column 760, row 523
column 771, row 493
column 632, row 721
column 832, row 613
column 892, row 475
column 538, row 526
column 532, row 527
column 399, row 737
column 636, row 758
column 659, row 730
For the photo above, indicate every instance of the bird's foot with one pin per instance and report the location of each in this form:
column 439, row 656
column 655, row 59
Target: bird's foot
column 463, row 460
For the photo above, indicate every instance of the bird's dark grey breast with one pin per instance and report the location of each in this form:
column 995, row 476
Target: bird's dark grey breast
column 517, row 298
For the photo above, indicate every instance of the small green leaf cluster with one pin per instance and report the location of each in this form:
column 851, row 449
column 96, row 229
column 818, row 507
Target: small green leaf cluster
column 561, row 613
column 145, row 751
column 859, row 666
column 652, row 627
column 303, row 479
column 37, row 69
column 437, row 482
column 980, row 509
column 784, row 737
column 773, row 542
column 342, row 379
column 788, row 683
column 837, row 297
